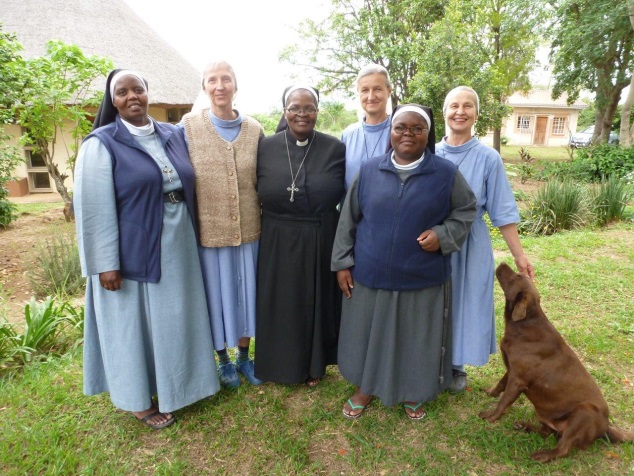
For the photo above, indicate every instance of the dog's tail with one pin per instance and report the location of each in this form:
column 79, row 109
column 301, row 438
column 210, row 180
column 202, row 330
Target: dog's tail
column 618, row 436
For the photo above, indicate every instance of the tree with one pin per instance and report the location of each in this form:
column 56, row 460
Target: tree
column 488, row 45
column 392, row 33
column 58, row 97
column 592, row 44
column 12, row 79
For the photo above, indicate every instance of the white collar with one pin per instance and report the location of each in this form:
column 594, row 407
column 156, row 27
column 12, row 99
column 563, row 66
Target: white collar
column 145, row 130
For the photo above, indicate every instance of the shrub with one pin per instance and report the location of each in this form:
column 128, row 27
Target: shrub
column 605, row 160
column 526, row 168
column 10, row 158
column 593, row 164
column 557, row 206
column 7, row 208
column 57, row 269
column 609, row 200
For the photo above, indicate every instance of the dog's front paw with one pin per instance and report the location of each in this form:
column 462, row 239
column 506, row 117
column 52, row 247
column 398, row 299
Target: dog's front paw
column 493, row 391
column 522, row 425
column 489, row 416
column 544, row 456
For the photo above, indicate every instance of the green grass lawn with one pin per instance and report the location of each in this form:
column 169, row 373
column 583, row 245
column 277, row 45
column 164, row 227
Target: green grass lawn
column 48, row 427
column 510, row 153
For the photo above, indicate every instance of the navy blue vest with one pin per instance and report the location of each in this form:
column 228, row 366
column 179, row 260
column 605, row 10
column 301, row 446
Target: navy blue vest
column 386, row 252
column 138, row 184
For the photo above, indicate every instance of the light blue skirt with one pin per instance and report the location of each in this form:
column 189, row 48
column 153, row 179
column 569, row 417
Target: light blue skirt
column 229, row 275
column 153, row 338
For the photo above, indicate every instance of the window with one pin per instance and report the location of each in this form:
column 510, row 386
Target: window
column 524, row 123
column 174, row 115
column 39, row 179
column 559, row 125
column 34, row 159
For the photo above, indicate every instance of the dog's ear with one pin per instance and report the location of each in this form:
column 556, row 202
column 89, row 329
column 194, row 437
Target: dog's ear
column 519, row 310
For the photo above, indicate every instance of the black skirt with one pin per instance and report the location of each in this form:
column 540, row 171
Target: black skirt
column 298, row 299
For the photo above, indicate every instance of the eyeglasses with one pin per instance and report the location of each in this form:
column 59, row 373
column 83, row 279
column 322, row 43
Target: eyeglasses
column 302, row 110
column 416, row 130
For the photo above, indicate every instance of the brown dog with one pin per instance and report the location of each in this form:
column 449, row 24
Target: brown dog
column 541, row 365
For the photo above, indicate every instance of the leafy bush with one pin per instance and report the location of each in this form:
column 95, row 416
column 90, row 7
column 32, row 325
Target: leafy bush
column 7, row 208
column 557, row 206
column 593, row 164
column 57, row 269
column 9, row 160
column 526, row 167
column 606, row 160
column 609, row 200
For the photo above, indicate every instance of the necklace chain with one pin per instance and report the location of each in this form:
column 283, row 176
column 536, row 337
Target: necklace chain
column 365, row 145
column 166, row 169
column 293, row 188
column 458, row 162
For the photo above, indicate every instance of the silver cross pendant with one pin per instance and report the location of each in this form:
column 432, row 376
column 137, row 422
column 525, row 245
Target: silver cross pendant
column 292, row 189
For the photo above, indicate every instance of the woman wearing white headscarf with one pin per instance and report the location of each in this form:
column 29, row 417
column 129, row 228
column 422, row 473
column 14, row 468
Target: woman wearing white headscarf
column 404, row 214
column 300, row 183
column 473, row 310
column 146, row 329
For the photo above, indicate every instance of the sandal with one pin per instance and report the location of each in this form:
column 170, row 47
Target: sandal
column 312, row 382
column 155, row 426
column 354, row 407
column 414, row 408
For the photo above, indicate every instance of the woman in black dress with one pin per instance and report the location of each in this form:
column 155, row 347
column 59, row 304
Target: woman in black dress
column 300, row 182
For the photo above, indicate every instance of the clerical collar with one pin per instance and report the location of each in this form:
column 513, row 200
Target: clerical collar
column 145, row 130
column 302, row 143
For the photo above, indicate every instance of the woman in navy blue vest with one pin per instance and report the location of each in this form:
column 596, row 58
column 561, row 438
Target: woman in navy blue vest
column 405, row 212
column 147, row 330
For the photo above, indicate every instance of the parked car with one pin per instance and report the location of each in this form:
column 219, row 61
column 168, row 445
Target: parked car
column 583, row 138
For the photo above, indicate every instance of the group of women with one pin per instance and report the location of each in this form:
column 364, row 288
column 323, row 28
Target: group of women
column 206, row 234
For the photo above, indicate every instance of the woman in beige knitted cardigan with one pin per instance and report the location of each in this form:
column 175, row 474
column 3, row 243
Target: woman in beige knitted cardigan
column 223, row 148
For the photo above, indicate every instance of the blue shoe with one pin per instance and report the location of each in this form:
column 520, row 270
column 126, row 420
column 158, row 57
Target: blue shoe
column 459, row 382
column 248, row 370
column 229, row 378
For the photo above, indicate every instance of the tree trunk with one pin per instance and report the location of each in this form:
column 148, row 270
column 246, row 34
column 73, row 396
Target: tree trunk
column 627, row 131
column 497, row 134
column 58, row 177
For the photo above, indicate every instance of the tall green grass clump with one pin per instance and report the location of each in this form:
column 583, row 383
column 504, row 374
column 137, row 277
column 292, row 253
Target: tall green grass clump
column 609, row 200
column 10, row 347
column 557, row 206
column 57, row 269
column 49, row 327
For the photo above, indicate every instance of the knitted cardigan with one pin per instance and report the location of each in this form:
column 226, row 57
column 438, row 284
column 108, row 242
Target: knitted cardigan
column 228, row 205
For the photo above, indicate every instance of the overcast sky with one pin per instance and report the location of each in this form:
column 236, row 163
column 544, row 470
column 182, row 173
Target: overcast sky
column 249, row 34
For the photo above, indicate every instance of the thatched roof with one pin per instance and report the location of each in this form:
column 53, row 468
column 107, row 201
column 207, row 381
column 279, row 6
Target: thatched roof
column 105, row 28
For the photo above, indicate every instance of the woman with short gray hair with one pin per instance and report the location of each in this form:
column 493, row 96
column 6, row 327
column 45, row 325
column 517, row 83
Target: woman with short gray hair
column 371, row 135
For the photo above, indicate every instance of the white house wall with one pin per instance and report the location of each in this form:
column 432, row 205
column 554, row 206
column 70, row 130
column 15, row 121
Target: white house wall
column 61, row 152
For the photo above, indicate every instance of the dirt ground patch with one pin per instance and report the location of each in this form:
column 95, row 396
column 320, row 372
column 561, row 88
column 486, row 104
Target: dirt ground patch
column 19, row 245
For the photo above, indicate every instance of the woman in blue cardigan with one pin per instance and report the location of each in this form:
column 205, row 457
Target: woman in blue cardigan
column 147, row 328
column 405, row 212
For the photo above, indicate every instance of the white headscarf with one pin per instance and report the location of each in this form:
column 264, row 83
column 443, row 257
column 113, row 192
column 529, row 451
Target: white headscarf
column 119, row 75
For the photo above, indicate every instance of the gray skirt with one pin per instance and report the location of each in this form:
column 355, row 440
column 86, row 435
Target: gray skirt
column 396, row 345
